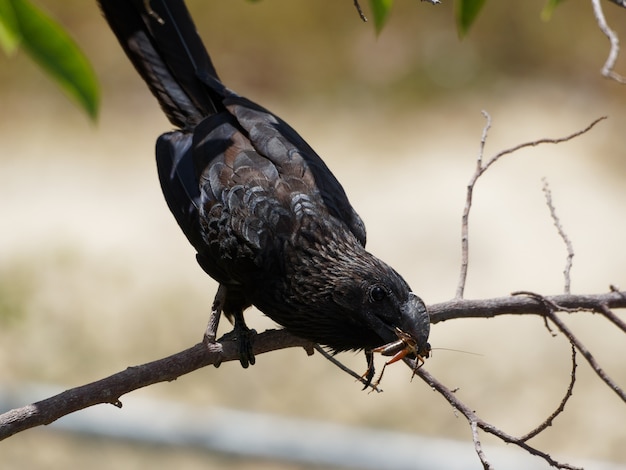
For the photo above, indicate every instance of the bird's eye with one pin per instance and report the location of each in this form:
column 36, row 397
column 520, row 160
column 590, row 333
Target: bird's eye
column 377, row 293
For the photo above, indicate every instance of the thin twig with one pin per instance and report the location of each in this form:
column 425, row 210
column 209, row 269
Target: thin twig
column 561, row 407
column 551, row 309
column 478, row 446
column 563, row 235
column 615, row 288
column 468, row 205
column 607, row 69
column 364, row 18
column 608, row 313
column 344, row 368
column 360, row 11
column 606, row 309
column 587, row 355
column 535, row 143
column 474, row 420
column 481, row 168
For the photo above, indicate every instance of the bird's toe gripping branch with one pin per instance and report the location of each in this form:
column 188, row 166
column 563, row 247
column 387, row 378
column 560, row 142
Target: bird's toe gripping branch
column 240, row 333
column 245, row 337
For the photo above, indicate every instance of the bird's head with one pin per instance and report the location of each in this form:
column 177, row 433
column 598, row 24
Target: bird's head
column 383, row 302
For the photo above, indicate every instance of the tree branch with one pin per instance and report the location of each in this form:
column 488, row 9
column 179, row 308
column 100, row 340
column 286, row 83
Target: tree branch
column 360, row 11
column 333, row 360
column 518, row 305
column 563, row 235
column 568, row 393
column 476, row 422
column 110, row 389
column 607, row 69
column 587, row 355
column 468, row 205
column 546, row 306
column 481, row 168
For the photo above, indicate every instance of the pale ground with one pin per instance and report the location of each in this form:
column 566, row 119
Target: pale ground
column 102, row 278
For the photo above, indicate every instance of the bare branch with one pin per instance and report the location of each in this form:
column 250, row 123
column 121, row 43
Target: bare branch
column 587, row 355
column 606, row 311
column 110, row 389
column 493, row 307
column 466, row 211
column 561, row 407
column 551, row 309
column 360, row 11
column 535, row 143
column 482, row 168
column 607, row 69
column 563, row 235
column 478, row 446
column 476, row 421
column 332, row 359
column 520, row 305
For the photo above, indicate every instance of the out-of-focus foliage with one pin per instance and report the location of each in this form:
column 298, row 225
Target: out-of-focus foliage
column 547, row 11
column 380, row 12
column 23, row 24
column 9, row 33
column 466, row 12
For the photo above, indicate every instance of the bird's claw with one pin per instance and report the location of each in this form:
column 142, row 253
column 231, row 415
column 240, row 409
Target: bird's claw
column 367, row 377
column 244, row 337
column 246, row 352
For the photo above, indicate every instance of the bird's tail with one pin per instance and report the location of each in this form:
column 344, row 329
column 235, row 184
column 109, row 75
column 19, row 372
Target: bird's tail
column 160, row 39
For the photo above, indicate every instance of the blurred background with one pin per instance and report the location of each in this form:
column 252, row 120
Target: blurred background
column 95, row 275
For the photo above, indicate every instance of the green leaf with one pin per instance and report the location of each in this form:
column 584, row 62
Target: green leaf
column 9, row 30
column 380, row 12
column 466, row 13
column 57, row 53
column 548, row 9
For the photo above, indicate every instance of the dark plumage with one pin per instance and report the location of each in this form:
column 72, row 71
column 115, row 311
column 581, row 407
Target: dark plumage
column 267, row 217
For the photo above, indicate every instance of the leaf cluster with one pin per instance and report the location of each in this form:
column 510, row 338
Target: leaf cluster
column 22, row 24
column 25, row 25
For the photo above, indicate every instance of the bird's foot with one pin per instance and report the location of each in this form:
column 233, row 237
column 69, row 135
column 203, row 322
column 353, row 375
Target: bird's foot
column 244, row 337
column 367, row 377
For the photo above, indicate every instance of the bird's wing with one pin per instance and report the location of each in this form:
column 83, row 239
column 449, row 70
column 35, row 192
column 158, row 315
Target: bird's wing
column 221, row 133
column 179, row 183
column 274, row 139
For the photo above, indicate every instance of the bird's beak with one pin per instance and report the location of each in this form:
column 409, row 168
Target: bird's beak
column 416, row 323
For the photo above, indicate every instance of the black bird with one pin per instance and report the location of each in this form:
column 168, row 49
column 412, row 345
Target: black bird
column 268, row 219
